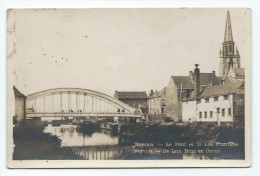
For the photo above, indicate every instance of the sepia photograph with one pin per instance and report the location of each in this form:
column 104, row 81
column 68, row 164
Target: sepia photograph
column 129, row 87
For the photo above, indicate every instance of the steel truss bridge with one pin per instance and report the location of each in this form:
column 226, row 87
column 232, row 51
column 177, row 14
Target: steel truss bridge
column 76, row 102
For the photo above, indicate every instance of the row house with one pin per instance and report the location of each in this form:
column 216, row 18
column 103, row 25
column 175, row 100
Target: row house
column 218, row 104
column 156, row 102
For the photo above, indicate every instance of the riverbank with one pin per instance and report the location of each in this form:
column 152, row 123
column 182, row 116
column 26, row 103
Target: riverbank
column 31, row 143
column 222, row 142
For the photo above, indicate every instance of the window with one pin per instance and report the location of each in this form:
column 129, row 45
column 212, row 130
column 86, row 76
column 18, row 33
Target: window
column 198, row 100
column 205, row 114
column 215, row 98
column 200, row 115
column 218, row 110
column 179, row 95
column 223, row 112
column 230, row 48
column 162, row 109
column 225, row 97
column 211, row 114
column 229, row 111
column 206, row 100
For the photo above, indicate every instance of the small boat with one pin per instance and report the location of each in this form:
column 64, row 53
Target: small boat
column 87, row 127
column 110, row 126
column 56, row 123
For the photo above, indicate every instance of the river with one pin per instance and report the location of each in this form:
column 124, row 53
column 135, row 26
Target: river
column 104, row 145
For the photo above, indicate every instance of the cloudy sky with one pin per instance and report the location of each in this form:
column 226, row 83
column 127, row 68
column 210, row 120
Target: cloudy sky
column 118, row 49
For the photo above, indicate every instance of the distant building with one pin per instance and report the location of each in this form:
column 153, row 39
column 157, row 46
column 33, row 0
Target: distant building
column 181, row 87
column 156, row 102
column 136, row 100
column 20, row 105
column 219, row 104
column 230, row 68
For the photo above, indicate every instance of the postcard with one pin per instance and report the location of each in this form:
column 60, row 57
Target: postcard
column 129, row 87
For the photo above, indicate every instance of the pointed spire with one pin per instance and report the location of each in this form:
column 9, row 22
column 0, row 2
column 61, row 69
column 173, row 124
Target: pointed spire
column 237, row 53
column 228, row 30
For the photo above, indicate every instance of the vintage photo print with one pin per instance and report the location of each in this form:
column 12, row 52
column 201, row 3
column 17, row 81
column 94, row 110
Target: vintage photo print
column 128, row 88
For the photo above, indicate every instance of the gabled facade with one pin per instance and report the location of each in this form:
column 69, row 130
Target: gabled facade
column 156, row 102
column 181, row 88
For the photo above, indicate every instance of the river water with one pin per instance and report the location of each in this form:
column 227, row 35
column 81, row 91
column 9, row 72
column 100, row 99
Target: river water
column 72, row 138
column 104, row 145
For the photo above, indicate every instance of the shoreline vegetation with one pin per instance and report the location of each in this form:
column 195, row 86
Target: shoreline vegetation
column 31, row 143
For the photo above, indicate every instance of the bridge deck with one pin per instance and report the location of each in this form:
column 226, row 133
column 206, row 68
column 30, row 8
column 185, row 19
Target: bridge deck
column 36, row 115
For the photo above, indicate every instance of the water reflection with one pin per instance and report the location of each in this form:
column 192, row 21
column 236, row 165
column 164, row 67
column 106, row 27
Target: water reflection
column 71, row 138
column 104, row 145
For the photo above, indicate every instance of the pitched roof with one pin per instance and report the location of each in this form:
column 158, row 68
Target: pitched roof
column 161, row 93
column 187, row 83
column 124, row 94
column 183, row 81
column 208, row 79
column 17, row 93
column 223, row 89
column 228, row 88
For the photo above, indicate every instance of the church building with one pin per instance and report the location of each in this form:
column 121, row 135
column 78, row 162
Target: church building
column 224, row 103
column 230, row 68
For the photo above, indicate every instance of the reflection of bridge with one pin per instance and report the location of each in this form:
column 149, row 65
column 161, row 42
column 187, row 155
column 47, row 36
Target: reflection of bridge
column 76, row 102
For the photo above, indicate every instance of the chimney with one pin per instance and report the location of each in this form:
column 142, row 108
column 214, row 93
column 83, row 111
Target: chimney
column 214, row 72
column 191, row 76
column 197, row 80
column 151, row 92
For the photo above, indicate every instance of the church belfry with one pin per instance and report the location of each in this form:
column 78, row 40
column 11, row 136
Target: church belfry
column 229, row 57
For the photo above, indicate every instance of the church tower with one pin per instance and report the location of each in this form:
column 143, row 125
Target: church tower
column 228, row 55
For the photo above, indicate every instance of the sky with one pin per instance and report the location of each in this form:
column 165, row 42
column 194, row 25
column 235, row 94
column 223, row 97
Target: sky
column 117, row 49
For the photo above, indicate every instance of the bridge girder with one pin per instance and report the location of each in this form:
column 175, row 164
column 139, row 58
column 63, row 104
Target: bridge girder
column 86, row 92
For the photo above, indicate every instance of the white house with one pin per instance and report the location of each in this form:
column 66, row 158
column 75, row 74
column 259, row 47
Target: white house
column 220, row 103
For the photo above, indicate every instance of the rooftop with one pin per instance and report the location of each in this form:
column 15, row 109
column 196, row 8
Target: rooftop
column 17, row 93
column 130, row 94
column 161, row 93
column 186, row 82
column 228, row 88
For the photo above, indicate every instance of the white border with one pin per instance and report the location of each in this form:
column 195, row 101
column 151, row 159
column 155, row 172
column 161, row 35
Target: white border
column 254, row 5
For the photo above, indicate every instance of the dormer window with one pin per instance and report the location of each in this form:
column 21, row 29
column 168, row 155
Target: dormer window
column 206, row 100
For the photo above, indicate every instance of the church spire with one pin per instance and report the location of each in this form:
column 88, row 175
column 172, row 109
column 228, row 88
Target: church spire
column 228, row 30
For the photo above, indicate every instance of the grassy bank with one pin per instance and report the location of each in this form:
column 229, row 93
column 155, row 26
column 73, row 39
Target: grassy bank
column 31, row 143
